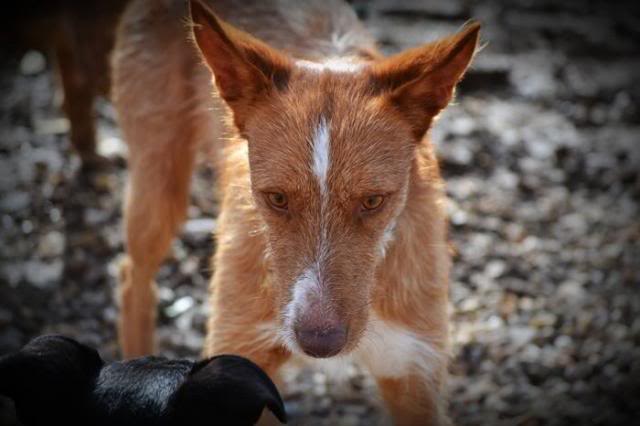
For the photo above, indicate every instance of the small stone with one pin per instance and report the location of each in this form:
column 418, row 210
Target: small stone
column 52, row 126
column 33, row 62
column 571, row 292
column 190, row 266
column 462, row 125
column 563, row 342
column 166, row 294
column 543, row 319
column 469, row 305
column 180, row 306
column 52, row 244
column 200, row 227
column 495, row 268
column 112, row 146
column 15, row 201
column 521, row 336
column 43, row 274
column 96, row 216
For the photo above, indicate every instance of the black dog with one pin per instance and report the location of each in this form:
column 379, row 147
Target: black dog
column 56, row 380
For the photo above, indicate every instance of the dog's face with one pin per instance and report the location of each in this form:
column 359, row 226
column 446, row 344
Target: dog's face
column 331, row 151
column 329, row 176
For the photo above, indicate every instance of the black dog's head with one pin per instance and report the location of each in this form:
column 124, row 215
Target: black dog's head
column 55, row 378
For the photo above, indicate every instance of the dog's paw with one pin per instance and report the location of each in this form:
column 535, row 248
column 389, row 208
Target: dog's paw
column 226, row 389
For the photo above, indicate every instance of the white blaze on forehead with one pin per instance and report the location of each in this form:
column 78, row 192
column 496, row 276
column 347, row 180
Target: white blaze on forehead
column 321, row 154
column 333, row 65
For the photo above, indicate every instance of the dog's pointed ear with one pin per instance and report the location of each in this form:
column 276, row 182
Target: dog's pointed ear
column 228, row 388
column 245, row 69
column 420, row 82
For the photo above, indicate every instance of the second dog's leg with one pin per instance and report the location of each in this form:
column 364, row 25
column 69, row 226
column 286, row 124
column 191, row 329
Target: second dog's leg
column 157, row 196
column 79, row 95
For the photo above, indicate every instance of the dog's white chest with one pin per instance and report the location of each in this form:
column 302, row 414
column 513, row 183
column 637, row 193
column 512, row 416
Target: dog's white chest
column 388, row 350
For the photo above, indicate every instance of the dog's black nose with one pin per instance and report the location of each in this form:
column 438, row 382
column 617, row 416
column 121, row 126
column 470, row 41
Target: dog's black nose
column 322, row 342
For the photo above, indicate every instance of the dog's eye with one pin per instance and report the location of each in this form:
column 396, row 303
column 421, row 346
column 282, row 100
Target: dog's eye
column 372, row 202
column 278, row 200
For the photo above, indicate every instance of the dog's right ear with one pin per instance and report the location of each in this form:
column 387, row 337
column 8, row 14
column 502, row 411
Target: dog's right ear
column 227, row 390
column 49, row 379
column 245, row 69
column 420, row 82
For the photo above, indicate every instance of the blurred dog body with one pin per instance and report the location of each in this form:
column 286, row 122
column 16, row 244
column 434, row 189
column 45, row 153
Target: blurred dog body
column 79, row 37
column 332, row 238
column 56, row 380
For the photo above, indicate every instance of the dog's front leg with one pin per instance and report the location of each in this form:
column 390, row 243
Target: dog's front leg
column 414, row 400
column 230, row 332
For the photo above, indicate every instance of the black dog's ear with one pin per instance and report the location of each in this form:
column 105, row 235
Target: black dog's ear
column 49, row 378
column 225, row 390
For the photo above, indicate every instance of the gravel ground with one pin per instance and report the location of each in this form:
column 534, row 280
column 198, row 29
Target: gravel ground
column 542, row 163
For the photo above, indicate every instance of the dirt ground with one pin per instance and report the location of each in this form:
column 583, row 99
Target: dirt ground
column 541, row 152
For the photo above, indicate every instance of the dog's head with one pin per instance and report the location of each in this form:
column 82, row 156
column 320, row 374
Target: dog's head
column 55, row 379
column 331, row 151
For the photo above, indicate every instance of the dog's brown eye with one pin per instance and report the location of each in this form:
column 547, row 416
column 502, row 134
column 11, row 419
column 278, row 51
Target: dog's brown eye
column 372, row 202
column 277, row 200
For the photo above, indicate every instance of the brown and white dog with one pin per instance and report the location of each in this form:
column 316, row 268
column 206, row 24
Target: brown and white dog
column 332, row 237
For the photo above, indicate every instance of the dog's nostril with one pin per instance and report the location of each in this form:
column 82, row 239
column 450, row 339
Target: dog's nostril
column 322, row 342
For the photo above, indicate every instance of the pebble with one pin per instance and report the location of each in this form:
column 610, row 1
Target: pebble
column 52, row 244
column 15, row 202
column 179, row 307
column 199, row 227
column 43, row 274
column 33, row 62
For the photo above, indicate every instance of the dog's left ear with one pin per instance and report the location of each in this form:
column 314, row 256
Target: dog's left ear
column 246, row 70
column 420, row 82
column 226, row 390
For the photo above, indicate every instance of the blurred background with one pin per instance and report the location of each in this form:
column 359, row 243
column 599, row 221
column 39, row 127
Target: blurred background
column 541, row 153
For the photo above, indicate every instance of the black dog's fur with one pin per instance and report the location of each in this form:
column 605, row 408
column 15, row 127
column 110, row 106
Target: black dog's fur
column 56, row 380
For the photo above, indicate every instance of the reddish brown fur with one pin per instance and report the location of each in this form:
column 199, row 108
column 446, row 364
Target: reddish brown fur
column 376, row 116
